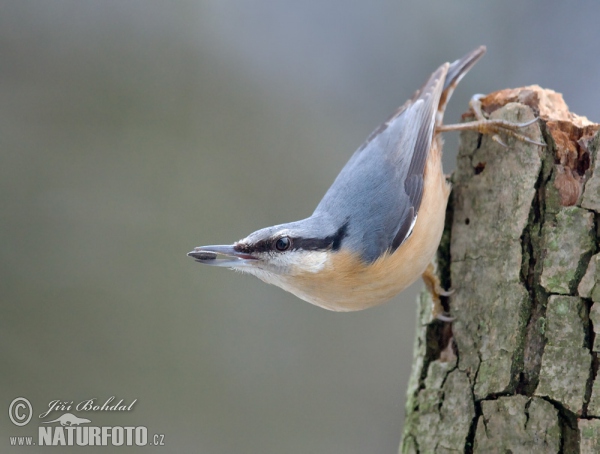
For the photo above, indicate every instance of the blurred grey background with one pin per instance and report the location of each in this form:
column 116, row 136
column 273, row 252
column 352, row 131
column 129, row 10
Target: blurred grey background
column 132, row 131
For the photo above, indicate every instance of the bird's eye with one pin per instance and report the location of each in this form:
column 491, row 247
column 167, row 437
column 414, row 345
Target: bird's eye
column 283, row 244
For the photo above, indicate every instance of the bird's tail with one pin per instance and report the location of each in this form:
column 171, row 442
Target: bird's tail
column 456, row 72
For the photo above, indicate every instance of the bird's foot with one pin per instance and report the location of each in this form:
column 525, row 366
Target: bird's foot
column 435, row 289
column 492, row 127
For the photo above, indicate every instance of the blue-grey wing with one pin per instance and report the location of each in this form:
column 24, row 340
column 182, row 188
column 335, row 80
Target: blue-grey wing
column 378, row 193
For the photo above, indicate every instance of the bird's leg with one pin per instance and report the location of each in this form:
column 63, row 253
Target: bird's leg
column 435, row 289
column 491, row 127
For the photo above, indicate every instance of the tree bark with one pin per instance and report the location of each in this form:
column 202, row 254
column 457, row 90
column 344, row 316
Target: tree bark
column 515, row 371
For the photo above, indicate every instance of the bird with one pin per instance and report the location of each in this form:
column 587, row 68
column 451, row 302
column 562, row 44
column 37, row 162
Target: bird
column 377, row 228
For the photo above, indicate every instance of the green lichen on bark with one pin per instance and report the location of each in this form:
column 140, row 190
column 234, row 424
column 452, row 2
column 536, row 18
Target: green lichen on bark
column 590, row 436
column 568, row 242
column 566, row 361
column 594, row 404
column 443, row 401
column 589, row 287
column 526, row 282
column 518, row 424
column 436, row 398
column 595, row 319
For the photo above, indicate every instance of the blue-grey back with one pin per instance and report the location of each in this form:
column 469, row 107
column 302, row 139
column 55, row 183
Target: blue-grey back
column 379, row 191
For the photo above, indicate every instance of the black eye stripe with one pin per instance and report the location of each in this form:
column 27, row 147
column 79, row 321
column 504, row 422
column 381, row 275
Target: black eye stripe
column 331, row 242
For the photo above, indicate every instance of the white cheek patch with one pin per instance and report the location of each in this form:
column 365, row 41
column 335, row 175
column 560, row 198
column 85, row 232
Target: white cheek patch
column 287, row 263
column 313, row 261
column 278, row 268
column 295, row 262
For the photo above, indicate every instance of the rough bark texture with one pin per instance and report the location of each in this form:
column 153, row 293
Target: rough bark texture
column 516, row 369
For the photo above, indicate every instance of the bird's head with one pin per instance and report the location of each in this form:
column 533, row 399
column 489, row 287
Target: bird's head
column 280, row 253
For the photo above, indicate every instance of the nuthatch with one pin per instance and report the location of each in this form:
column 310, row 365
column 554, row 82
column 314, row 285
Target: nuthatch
column 378, row 226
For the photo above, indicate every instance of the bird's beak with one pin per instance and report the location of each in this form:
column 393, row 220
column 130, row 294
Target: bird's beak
column 224, row 255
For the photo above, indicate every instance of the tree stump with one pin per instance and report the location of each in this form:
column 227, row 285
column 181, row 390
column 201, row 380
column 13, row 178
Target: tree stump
column 515, row 371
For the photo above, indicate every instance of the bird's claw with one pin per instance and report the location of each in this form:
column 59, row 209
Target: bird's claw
column 444, row 317
column 440, row 291
column 493, row 127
